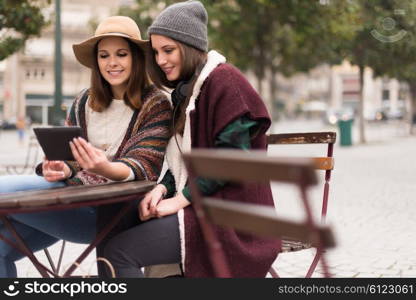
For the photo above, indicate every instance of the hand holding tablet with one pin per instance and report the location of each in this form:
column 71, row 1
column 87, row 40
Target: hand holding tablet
column 55, row 141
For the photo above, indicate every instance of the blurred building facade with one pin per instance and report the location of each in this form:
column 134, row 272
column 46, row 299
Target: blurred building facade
column 337, row 88
column 381, row 95
column 27, row 77
column 334, row 88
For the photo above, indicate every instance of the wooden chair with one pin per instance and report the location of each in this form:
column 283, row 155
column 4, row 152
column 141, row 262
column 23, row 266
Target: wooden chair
column 325, row 163
column 235, row 165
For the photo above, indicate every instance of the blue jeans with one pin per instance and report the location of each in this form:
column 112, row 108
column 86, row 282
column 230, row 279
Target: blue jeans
column 41, row 229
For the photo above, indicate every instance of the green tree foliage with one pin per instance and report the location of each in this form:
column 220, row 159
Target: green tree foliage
column 309, row 33
column 378, row 42
column 19, row 20
column 396, row 47
column 285, row 36
column 255, row 33
column 144, row 12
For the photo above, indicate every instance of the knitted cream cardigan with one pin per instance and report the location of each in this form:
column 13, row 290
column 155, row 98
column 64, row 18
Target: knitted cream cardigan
column 173, row 160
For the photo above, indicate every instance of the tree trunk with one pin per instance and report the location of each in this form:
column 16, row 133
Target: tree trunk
column 273, row 90
column 361, row 106
column 412, row 110
column 259, row 52
column 259, row 85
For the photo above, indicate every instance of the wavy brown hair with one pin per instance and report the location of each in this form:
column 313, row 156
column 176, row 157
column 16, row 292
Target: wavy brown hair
column 100, row 92
column 192, row 60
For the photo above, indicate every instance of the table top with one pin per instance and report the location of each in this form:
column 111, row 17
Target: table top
column 73, row 196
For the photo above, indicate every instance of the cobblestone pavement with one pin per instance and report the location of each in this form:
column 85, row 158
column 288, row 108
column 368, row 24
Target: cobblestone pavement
column 370, row 209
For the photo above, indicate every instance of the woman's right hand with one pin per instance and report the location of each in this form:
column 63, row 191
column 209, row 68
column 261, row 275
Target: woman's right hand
column 55, row 170
column 147, row 207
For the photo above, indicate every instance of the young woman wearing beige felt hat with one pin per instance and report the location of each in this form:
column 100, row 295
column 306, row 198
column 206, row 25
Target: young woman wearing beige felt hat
column 125, row 120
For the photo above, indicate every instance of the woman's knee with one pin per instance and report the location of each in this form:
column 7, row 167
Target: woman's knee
column 60, row 224
column 7, row 252
column 115, row 252
column 17, row 183
column 34, row 239
column 153, row 242
column 10, row 183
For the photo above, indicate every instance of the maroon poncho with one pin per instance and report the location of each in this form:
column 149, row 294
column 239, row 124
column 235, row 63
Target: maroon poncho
column 224, row 97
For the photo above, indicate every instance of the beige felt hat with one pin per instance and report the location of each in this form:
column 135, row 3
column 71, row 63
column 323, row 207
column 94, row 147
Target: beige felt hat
column 112, row 26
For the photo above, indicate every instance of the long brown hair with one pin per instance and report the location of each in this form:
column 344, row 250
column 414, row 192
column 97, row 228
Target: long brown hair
column 100, row 91
column 192, row 60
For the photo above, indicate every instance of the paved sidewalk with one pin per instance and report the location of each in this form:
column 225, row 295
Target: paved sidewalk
column 370, row 208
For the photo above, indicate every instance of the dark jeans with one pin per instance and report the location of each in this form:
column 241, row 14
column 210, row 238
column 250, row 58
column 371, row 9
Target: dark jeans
column 153, row 242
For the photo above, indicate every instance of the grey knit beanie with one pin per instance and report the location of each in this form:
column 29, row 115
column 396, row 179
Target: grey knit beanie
column 185, row 22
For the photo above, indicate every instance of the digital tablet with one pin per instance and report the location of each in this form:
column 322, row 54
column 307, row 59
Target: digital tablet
column 55, row 141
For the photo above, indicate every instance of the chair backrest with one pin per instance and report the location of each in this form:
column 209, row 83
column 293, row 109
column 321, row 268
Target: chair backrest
column 262, row 221
column 253, row 166
column 236, row 165
column 325, row 163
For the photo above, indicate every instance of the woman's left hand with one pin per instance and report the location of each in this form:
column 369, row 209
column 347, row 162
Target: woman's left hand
column 89, row 158
column 171, row 206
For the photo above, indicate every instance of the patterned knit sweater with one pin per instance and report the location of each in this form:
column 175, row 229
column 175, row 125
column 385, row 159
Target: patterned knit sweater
column 142, row 148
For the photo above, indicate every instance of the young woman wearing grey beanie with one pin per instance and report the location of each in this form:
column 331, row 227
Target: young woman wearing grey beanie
column 214, row 107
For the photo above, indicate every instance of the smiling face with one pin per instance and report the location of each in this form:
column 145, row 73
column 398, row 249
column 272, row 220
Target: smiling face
column 167, row 55
column 114, row 62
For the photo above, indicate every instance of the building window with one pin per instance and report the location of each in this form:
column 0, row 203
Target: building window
column 386, row 95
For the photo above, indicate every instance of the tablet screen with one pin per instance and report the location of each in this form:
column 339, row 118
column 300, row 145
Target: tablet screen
column 55, row 141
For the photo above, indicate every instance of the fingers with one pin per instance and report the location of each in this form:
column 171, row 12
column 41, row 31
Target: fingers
column 53, row 170
column 157, row 195
column 144, row 213
column 45, row 164
column 79, row 148
column 54, row 176
column 148, row 206
column 83, row 152
column 76, row 154
column 86, row 148
column 154, row 202
column 56, row 165
column 89, row 157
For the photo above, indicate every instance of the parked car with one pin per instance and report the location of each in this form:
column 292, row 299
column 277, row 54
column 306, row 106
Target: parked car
column 375, row 115
column 8, row 124
column 395, row 114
